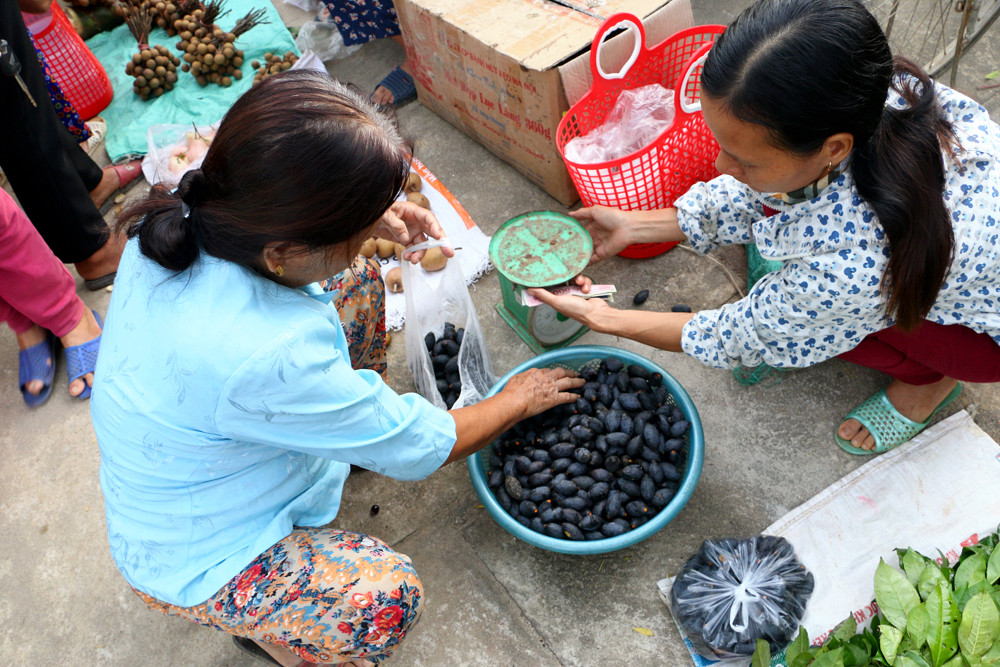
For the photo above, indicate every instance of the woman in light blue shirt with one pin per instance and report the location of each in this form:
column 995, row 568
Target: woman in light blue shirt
column 225, row 403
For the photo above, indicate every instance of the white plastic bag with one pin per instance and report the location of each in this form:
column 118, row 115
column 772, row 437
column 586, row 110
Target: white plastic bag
column 174, row 150
column 639, row 116
column 322, row 37
column 305, row 5
column 733, row 592
column 432, row 300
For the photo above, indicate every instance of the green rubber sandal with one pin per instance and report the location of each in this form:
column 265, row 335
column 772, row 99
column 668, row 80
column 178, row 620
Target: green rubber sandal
column 891, row 429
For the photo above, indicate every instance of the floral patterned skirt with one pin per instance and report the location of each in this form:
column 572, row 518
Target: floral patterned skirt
column 327, row 595
column 360, row 21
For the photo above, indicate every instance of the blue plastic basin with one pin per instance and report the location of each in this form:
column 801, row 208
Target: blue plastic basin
column 576, row 357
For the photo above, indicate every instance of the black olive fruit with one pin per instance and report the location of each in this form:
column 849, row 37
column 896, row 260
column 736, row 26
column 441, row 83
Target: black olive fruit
column 592, row 469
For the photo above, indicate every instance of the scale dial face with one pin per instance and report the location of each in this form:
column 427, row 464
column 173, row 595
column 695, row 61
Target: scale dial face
column 548, row 327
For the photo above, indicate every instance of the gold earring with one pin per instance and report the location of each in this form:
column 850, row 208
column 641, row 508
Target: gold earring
column 278, row 271
column 829, row 167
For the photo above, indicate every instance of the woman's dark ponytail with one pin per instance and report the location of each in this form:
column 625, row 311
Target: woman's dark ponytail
column 900, row 173
column 165, row 223
column 809, row 69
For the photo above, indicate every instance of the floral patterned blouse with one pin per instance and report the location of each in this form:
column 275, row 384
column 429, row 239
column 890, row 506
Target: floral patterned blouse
column 827, row 296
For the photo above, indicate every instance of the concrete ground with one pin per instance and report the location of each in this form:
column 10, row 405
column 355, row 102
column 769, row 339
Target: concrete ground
column 491, row 600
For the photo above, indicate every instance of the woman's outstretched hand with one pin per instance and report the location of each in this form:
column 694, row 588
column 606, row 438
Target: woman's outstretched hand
column 409, row 224
column 542, row 388
column 610, row 228
column 585, row 311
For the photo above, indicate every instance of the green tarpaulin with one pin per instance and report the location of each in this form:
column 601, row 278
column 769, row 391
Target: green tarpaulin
column 128, row 117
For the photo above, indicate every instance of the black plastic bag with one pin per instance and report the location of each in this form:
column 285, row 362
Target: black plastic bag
column 733, row 592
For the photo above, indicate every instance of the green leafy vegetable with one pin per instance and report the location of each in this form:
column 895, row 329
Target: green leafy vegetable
column 829, row 659
column 993, row 567
column 913, row 565
column 942, row 632
column 798, row 646
column 970, row 571
column 895, row 595
column 889, row 642
column 917, row 624
column 933, row 614
column 980, row 626
column 762, row 655
column 929, row 579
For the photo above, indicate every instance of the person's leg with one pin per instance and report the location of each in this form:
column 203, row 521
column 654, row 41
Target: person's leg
column 925, row 365
column 49, row 173
column 37, row 291
column 361, row 304
column 321, row 595
column 384, row 96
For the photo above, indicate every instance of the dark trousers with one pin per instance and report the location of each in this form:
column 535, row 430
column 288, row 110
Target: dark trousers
column 48, row 171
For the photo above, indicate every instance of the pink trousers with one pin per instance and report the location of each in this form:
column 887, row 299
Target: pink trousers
column 930, row 353
column 35, row 287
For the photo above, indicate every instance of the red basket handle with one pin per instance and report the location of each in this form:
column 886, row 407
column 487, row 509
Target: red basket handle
column 616, row 21
column 681, row 104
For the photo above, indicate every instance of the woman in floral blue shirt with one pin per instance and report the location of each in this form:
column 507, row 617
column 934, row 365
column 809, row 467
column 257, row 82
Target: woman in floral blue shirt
column 877, row 190
column 233, row 394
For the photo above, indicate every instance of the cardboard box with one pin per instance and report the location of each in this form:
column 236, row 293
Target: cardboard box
column 504, row 71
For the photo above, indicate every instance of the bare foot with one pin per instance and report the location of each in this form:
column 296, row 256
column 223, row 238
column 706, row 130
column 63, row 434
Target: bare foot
column 105, row 260
column 382, row 96
column 915, row 402
column 109, row 183
column 30, row 338
column 86, row 330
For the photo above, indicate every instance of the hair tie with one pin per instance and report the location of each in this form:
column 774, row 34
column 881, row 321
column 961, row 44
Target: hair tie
column 191, row 188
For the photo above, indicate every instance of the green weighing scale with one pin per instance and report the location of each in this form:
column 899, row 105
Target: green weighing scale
column 539, row 249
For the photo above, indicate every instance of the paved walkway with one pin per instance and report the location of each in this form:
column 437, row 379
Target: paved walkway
column 491, row 600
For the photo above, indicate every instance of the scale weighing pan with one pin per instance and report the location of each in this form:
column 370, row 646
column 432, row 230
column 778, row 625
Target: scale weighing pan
column 539, row 249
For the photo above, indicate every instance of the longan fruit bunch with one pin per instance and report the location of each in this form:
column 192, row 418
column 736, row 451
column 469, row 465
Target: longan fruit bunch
column 211, row 55
column 169, row 12
column 154, row 67
column 273, row 63
column 155, row 71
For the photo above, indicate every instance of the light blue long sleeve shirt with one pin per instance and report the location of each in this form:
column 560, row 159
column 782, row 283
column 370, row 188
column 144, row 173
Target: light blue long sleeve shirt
column 227, row 412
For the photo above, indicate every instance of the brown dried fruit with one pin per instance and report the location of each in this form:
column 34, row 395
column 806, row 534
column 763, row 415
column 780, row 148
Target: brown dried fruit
column 413, row 183
column 394, row 280
column 419, row 199
column 434, row 259
column 368, row 248
column 399, row 250
column 385, row 248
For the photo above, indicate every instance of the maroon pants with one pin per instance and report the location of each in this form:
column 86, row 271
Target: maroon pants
column 930, row 353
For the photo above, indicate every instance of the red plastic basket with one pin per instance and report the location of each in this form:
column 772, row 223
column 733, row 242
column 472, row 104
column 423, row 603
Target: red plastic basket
column 683, row 155
column 76, row 70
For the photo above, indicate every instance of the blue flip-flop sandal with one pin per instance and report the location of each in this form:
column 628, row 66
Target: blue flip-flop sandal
column 82, row 359
column 889, row 428
column 401, row 85
column 38, row 362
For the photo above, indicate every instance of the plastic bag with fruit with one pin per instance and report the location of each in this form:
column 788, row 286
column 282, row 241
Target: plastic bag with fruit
column 174, row 150
column 733, row 592
column 445, row 345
